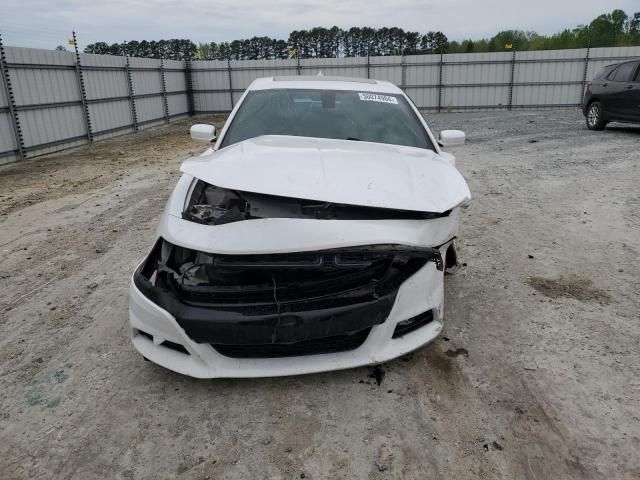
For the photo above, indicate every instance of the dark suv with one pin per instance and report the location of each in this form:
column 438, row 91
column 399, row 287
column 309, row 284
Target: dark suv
column 613, row 95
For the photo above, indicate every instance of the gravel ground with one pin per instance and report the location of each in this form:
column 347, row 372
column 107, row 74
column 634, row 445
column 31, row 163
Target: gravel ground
column 535, row 376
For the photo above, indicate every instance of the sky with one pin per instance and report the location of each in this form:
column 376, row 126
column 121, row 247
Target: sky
column 47, row 23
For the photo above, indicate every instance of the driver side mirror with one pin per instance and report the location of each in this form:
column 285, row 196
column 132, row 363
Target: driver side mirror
column 451, row 138
column 203, row 133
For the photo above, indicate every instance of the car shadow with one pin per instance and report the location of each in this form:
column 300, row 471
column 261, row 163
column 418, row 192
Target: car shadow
column 629, row 129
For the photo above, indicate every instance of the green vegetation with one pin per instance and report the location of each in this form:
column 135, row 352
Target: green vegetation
column 615, row 29
column 607, row 30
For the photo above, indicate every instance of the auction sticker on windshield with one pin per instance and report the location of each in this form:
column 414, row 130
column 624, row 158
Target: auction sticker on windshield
column 375, row 97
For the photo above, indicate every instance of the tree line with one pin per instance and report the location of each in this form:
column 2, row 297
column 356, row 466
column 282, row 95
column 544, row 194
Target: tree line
column 175, row 49
column 607, row 30
column 319, row 42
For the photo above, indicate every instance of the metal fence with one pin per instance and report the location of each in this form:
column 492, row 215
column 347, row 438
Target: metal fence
column 451, row 82
column 53, row 100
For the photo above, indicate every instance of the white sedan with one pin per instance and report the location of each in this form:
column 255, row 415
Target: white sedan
column 312, row 236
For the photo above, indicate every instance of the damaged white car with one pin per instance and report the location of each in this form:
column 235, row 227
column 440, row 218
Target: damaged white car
column 312, row 236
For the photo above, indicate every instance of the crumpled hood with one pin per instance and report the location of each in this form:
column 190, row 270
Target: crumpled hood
column 337, row 171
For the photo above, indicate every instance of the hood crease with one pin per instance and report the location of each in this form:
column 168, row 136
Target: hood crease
column 335, row 171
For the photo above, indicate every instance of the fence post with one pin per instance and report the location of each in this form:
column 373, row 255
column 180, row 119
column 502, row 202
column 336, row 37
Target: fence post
column 298, row 63
column 368, row 65
column 132, row 102
column 584, row 74
column 403, row 70
column 13, row 113
column 440, row 74
column 83, row 91
column 513, row 71
column 163, row 85
column 230, row 82
column 189, row 81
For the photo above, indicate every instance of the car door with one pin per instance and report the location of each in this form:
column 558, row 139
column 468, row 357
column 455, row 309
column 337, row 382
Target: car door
column 633, row 100
column 621, row 89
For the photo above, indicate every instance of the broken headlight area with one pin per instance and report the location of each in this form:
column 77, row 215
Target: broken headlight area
column 300, row 300
column 213, row 205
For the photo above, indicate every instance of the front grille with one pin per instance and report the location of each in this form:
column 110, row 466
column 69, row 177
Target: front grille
column 277, row 302
column 291, row 277
column 335, row 344
column 207, row 279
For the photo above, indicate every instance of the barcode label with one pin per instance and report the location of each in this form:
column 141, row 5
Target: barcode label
column 376, row 97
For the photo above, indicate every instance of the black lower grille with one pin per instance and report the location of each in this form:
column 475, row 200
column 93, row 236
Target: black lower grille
column 278, row 302
column 338, row 343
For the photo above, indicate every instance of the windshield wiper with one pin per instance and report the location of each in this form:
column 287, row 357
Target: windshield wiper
column 353, row 139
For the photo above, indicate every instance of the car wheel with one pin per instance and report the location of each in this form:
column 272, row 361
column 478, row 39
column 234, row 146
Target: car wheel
column 595, row 118
column 450, row 260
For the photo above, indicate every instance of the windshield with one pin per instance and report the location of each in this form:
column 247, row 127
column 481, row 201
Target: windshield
column 338, row 114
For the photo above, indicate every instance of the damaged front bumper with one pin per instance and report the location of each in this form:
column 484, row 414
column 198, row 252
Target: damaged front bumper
column 262, row 312
column 158, row 336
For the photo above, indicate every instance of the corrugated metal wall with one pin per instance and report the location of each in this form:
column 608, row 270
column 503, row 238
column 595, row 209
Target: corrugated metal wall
column 176, row 88
column 123, row 95
column 46, row 97
column 450, row 82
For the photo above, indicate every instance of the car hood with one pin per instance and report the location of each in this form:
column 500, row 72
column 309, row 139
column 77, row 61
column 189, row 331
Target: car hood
column 336, row 171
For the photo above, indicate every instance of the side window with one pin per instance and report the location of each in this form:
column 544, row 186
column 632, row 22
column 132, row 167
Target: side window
column 624, row 72
column 605, row 72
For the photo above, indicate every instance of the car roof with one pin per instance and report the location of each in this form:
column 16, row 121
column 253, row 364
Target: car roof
column 620, row 63
column 322, row 82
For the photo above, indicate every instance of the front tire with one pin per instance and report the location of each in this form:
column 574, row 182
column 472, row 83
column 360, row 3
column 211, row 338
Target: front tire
column 451, row 260
column 595, row 117
column 451, row 257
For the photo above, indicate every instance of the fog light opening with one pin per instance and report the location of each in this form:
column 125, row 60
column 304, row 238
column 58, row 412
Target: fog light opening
column 411, row 324
column 143, row 334
column 167, row 344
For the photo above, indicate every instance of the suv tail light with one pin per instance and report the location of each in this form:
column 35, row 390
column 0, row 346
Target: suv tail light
column 588, row 86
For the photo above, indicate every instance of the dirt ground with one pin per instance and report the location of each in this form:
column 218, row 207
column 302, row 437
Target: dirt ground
column 536, row 375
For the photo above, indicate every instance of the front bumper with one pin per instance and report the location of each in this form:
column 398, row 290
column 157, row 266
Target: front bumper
column 157, row 335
